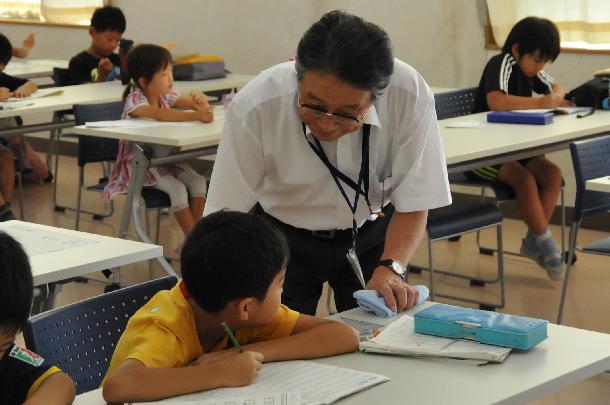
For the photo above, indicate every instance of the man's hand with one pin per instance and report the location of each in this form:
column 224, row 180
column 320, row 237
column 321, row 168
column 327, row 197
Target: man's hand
column 397, row 294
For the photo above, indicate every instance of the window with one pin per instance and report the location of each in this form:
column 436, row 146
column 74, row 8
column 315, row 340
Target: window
column 70, row 12
column 584, row 25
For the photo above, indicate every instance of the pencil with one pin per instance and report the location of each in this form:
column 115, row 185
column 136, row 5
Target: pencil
column 232, row 337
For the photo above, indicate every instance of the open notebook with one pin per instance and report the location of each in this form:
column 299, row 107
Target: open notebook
column 400, row 338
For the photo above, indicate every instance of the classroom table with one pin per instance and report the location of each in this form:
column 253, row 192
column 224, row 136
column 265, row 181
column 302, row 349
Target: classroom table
column 100, row 252
column 34, row 68
column 568, row 356
column 58, row 254
column 465, row 148
column 111, row 91
column 493, row 143
column 194, row 140
column 600, row 184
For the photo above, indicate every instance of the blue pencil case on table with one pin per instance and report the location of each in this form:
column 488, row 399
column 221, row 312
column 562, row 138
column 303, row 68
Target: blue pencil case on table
column 511, row 117
column 492, row 328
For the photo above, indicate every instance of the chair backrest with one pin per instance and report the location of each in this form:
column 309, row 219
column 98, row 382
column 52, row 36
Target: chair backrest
column 80, row 338
column 591, row 159
column 61, row 77
column 455, row 103
column 91, row 148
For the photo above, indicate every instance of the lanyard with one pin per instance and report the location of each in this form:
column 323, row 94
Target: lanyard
column 363, row 176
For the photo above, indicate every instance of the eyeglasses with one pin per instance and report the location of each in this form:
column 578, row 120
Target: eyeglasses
column 318, row 112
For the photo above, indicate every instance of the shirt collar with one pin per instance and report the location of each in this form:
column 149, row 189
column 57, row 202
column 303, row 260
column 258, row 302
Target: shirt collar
column 372, row 118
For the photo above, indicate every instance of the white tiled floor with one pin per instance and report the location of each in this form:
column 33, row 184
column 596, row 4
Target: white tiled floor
column 529, row 291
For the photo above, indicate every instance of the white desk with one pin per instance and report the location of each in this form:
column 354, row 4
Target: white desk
column 105, row 253
column 113, row 91
column 600, row 184
column 194, row 140
column 469, row 148
column 568, row 356
column 33, row 68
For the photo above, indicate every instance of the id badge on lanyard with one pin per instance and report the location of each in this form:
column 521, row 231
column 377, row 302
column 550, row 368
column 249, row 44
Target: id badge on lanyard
column 363, row 181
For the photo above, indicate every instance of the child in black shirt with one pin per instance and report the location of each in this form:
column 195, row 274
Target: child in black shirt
column 25, row 377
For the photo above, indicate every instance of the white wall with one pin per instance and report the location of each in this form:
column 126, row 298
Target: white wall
column 442, row 39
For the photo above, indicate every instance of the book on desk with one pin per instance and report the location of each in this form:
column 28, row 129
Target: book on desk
column 400, row 338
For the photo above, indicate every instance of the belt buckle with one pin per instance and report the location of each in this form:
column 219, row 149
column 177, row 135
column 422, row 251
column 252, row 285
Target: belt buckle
column 330, row 234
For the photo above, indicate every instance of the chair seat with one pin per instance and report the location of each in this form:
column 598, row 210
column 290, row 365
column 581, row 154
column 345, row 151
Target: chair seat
column 154, row 198
column 599, row 246
column 502, row 191
column 461, row 217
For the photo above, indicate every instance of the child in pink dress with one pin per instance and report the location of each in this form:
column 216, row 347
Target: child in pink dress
column 150, row 95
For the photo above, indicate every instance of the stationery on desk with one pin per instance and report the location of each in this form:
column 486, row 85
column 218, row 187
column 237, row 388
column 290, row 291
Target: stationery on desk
column 400, row 338
column 514, row 117
column 37, row 94
column 13, row 105
column 138, row 123
column 315, row 383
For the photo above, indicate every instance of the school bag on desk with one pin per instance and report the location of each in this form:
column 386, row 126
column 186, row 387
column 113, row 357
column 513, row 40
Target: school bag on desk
column 199, row 67
column 591, row 93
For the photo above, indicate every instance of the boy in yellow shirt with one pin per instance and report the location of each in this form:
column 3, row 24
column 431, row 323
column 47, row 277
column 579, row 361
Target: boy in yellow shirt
column 233, row 267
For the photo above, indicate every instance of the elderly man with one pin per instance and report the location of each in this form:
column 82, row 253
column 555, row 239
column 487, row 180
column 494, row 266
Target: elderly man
column 341, row 151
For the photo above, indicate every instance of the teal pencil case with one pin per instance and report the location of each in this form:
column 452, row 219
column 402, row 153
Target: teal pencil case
column 492, row 328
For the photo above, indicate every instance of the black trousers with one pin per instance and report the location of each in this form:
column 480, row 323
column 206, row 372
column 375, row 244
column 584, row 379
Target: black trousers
column 315, row 259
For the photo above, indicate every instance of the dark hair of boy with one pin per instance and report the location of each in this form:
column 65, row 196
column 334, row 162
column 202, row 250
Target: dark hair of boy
column 16, row 285
column 353, row 50
column 143, row 62
column 534, row 34
column 6, row 50
column 108, row 18
column 231, row 255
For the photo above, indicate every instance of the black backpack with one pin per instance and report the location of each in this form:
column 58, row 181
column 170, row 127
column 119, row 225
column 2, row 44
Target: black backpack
column 591, row 93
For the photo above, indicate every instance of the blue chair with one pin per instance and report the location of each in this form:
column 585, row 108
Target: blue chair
column 80, row 338
column 95, row 150
column 591, row 159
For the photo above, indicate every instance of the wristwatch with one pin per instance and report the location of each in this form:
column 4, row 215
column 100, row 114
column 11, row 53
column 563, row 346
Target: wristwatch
column 396, row 266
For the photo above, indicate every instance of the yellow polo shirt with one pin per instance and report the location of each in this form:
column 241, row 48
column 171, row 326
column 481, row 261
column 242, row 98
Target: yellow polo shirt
column 162, row 334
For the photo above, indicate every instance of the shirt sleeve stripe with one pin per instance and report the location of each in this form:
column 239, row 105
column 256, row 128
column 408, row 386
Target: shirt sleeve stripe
column 52, row 370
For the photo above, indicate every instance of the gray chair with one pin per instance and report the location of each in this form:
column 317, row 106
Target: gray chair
column 591, row 159
column 80, row 338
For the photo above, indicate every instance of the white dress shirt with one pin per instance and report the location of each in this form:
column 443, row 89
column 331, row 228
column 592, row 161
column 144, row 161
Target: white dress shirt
column 264, row 157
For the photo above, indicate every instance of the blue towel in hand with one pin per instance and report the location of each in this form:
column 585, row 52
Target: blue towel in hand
column 371, row 300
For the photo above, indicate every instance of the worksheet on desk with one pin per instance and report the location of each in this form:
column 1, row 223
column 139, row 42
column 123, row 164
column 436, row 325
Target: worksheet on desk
column 37, row 94
column 278, row 398
column 36, row 241
column 316, row 383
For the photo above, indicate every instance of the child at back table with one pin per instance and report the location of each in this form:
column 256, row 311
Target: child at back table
column 99, row 63
column 233, row 266
column 507, row 84
column 150, row 95
column 25, row 377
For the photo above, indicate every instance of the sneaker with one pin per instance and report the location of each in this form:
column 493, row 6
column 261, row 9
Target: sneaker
column 555, row 272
